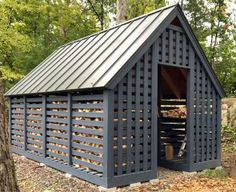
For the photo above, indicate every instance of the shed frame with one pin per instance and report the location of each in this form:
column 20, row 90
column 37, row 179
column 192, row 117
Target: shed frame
column 110, row 135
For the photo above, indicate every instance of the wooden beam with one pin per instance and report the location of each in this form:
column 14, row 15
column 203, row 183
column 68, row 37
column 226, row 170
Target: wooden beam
column 170, row 82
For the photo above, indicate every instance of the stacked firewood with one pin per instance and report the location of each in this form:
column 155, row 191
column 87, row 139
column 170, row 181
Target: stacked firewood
column 178, row 112
column 77, row 133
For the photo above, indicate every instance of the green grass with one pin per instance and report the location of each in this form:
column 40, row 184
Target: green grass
column 219, row 173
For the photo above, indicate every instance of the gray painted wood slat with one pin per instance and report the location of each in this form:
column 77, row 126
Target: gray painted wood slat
column 197, row 116
column 57, row 141
column 9, row 121
column 89, row 165
column 69, row 124
column 57, row 127
column 129, row 119
column 35, row 130
column 87, row 147
column 170, row 46
column 88, row 156
column 86, row 122
column 208, row 119
column 214, row 109
column 88, row 106
column 163, row 46
column 203, row 115
column 88, row 131
column 137, row 118
column 154, row 127
column 87, row 97
column 25, row 125
column 145, row 114
column 44, row 124
column 85, row 139
column 190, row 109
column 218, row 128
column 184, row 53
column 177, row 50
column 56, row 134
column 87, row 114
column 120, row 127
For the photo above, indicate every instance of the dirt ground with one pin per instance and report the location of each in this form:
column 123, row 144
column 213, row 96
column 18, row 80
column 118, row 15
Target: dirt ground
column 34, row 178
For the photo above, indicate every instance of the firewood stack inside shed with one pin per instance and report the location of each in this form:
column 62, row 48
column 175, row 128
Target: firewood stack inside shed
column 178, row 112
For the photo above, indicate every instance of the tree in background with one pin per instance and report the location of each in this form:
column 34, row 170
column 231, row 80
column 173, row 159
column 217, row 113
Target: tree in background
column 143, row 6
column 12, row 43
column 122, row 11
column 212, row 24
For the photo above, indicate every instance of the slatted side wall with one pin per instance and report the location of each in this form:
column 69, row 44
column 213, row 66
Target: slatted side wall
column 66, row 129
column 132, row 119
column 206, row 109
column 57, row 128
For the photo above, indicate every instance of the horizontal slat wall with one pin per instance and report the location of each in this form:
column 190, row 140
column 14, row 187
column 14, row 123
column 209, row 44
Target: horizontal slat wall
column 87, row 132
column 17, row 120
column 34, row 121
column 132, row 119
column 66, row 129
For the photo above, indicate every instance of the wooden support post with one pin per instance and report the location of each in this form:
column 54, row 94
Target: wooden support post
column 44, row 124
column 129, row 121
column 190, row 109
column 69, row 116
column 218, row 132
column 25, row 124
column 170, row 82
column 108, row 134
column 155, row 84
column 137, row 119
column 197, row 116
column 145, row 113
column 9, row 122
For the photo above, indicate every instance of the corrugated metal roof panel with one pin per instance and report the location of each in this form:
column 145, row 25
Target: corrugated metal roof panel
column 91, row 62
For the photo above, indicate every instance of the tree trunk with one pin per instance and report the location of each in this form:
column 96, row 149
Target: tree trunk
column 8, row 181
column 122, row 11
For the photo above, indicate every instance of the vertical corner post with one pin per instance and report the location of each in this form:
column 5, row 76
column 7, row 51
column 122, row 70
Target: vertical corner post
column 69, row 116
column 218, row 132
column 44, row 122
column 9, row 121
column 154, row 117
column 190, row 108
column 108, row 134
column 25, row 123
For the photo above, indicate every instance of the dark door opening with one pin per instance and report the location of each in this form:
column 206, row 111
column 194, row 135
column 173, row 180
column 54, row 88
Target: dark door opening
column 172, row 113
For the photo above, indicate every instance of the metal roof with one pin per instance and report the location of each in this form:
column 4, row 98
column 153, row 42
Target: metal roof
column 99, row 60
column 91, row 62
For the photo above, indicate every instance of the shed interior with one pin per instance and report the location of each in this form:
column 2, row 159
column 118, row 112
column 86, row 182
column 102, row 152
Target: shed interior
column 172, row 113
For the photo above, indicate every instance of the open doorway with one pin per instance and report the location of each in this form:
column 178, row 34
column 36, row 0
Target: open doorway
column 172, row 113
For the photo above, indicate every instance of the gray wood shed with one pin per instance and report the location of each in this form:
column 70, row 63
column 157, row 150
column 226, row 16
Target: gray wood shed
column 112, row 107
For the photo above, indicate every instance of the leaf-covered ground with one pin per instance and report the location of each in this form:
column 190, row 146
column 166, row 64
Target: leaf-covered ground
column 34, row 178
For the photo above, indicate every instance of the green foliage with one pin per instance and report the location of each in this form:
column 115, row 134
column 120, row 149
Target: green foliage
column 31, row 30
column 143, row 6
column 212, row 24
column 228, row 135
column 218, row 173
